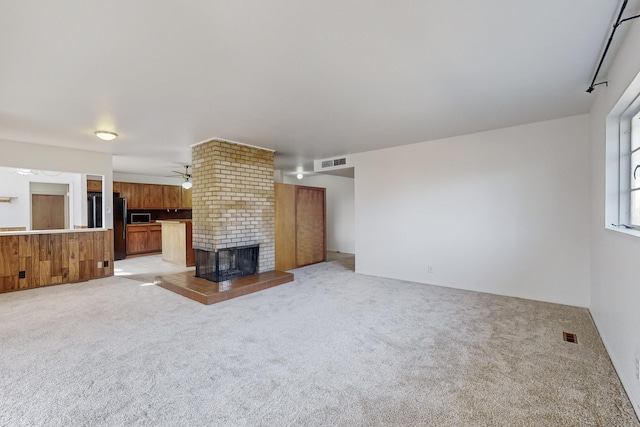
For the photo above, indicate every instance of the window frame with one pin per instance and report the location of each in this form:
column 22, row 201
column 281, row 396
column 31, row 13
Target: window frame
column 618, row 160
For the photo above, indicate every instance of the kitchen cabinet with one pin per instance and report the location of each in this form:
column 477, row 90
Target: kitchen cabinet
column 134, row 193
column 155, row 238
column 144, row 238
column 300, row 226
column 171, row 196
column 94, row 186
column 152, row 196
column 186, row 198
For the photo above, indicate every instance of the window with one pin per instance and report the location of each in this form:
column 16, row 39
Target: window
column 622, row 164
column 629, row 168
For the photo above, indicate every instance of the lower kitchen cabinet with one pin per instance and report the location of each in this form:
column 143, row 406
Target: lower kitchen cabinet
column 144, row 238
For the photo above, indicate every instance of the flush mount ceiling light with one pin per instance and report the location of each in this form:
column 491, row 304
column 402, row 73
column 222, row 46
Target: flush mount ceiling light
column 106, row 135
column 299, row 176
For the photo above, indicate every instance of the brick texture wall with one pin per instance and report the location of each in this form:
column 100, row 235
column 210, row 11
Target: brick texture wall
column 233, row 198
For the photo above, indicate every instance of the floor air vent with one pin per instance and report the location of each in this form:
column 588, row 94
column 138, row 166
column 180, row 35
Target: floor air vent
column 569, row 337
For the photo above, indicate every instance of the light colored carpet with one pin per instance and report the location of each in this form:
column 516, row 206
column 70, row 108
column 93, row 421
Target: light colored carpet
column 330, row 348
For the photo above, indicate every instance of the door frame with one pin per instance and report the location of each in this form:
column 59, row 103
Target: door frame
column 49, row 189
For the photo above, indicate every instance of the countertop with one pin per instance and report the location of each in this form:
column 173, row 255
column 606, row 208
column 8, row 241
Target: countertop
column 66, row 230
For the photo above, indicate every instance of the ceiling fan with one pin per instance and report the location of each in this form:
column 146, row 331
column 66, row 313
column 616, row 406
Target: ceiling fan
column 187, row 177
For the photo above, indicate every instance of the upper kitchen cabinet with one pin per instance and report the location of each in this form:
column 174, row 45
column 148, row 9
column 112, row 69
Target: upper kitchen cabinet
column 171, row 196
column 94, row 186
column 153, row 196
column 186, row 198
column 134, row 193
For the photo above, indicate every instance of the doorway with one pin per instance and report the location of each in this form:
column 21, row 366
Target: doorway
column 49, row 206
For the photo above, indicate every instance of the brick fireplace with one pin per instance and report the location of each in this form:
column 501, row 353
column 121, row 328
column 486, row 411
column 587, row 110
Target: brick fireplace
column 233, row 199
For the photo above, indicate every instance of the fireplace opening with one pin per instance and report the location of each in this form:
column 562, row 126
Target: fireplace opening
column 227, row 264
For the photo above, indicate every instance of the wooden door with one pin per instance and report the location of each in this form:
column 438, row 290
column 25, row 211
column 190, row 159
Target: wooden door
column 285, row 225
column 310, row 230
column 47, row 212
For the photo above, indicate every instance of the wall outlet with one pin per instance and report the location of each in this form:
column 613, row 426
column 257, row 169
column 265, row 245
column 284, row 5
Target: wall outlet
column 99, row 264
column 430, row 269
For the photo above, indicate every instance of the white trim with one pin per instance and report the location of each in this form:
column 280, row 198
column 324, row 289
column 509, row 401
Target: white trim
column 616, row 140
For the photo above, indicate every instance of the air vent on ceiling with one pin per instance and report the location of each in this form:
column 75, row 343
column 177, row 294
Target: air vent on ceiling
column 327, row 163
column 340, row 162
column 570, row 337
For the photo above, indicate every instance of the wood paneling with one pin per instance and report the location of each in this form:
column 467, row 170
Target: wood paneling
column 310, row 220
column 47, row 212
column 54, row 258
column 285, row 226
column 9, row 263
column 171, row 196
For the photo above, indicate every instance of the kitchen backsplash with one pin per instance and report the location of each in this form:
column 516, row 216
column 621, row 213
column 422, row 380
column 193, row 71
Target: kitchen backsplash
column 162, row 214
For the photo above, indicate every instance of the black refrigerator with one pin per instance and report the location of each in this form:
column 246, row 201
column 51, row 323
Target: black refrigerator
column 119, row 228
column 94, row 210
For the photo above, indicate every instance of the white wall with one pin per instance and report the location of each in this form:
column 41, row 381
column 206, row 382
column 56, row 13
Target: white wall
column 340, row 208
column 148, row 179
column 504, row 211
column 44, row 157
column 615, row 276
column 18, row 212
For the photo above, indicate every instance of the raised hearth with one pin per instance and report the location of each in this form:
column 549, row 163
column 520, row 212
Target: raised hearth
column 208, row 292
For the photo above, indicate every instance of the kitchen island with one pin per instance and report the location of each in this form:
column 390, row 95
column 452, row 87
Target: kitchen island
column 177, row 247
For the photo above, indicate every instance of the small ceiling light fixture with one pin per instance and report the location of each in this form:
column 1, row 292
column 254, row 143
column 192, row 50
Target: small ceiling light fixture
column 299, row 176
column 105, row 135
column 187, row 184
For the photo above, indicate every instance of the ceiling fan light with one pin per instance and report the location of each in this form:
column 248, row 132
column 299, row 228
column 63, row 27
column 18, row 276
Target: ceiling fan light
column 105, row 135
column 187, row 184
column 299, row 176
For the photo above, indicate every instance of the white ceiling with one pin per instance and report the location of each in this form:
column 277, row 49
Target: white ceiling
column 308, row 79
